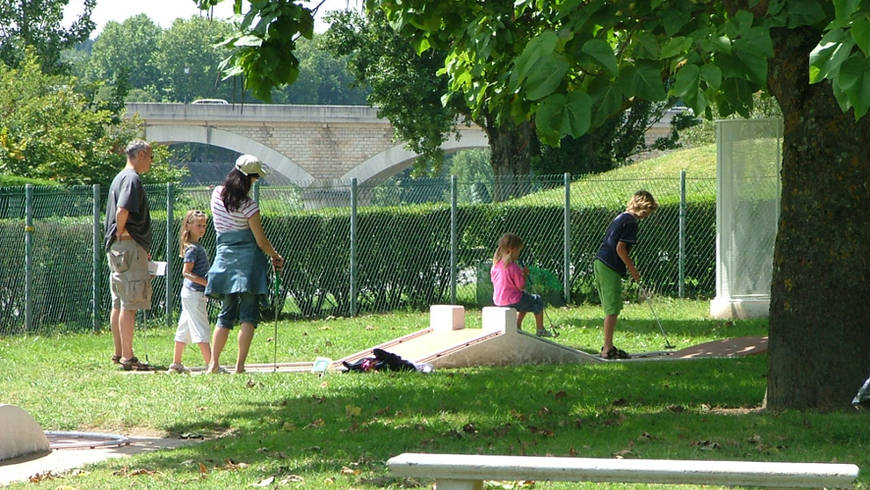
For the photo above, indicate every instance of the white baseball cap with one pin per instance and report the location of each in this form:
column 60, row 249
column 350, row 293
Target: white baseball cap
column 249, row 164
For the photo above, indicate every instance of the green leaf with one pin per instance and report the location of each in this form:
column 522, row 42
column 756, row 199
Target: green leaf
column 756, row 67
column 742, row 21
column 855, row 81
column 861, row 34
column 673, row 20
column 851, row 72
column 562, row 115
column 547, row 119
column 645, row 81
column 602, row 53
column 755, row 40
column 248, row 40
column 712, row 75
column 844, row 9
column 722, row 43
column 697, row 101
column 547, row 76
column 804, row 13
column 675, row 47
column 686, row 84
column 645, row 45
column 542, row 45
column 607, row 99
column 577, row 114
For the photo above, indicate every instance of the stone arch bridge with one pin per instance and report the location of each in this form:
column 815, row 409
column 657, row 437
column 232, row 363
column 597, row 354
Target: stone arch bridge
column 304, row 143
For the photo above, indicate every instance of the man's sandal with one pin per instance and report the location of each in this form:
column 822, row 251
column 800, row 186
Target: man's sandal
column 116, row 359
column 133, row 364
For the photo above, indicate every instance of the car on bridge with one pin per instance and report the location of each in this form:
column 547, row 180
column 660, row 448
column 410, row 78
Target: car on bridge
column 210, row 101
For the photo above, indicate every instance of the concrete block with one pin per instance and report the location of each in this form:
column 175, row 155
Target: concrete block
column 499, row 319
column 446, row 317
column 21, row 434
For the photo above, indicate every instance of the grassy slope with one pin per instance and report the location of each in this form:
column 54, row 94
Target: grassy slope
column 659, row 175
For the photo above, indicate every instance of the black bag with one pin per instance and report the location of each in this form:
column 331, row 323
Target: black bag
column 383, row 361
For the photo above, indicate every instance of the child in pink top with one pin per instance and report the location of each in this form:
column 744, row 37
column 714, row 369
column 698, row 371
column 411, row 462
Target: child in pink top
column 508, row 280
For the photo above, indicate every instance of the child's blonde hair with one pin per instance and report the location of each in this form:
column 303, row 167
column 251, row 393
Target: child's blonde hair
column 506, row 243
column 190, row 218
column 642, row 201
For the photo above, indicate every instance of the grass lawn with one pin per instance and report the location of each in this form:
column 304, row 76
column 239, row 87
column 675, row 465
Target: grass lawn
column 337, row 431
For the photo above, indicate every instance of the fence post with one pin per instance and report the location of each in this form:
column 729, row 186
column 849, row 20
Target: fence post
column 257, row 192
column 28, row 252
column 98, row 245
column 682, row 255
column 170, row 198
column 566, row 252
column 453, row 245
column 353, row 202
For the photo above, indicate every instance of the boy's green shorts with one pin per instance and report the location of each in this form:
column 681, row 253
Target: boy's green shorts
column 609, row 285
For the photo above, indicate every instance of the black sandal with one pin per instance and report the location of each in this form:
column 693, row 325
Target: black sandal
column 133, row 364
column 615, row 353
column 116, row 359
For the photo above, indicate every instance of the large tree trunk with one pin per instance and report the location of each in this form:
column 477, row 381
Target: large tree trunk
column 511, row 151
column 819, row 352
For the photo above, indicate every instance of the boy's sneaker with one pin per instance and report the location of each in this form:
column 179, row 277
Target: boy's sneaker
column 544, row 333
column 614, row 353
column 177, row 368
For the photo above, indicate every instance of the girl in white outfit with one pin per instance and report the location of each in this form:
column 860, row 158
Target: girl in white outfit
column 193, row 324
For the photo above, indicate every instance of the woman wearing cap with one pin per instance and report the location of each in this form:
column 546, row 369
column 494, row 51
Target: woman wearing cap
column 238, row 275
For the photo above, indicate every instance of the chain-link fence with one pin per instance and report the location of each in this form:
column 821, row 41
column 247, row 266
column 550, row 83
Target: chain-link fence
column 358, row 248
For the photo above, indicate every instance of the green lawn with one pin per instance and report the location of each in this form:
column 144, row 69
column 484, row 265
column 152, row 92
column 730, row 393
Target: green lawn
column 337, row 431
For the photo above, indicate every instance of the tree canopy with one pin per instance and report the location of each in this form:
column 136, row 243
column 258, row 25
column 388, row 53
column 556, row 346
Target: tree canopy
column 38, row 23
column 123, row 51
column 48, row 130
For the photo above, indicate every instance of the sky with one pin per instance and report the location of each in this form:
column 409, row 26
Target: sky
column 163, row 12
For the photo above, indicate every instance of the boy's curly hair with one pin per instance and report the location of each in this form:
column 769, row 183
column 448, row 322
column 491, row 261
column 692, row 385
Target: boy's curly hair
column 642, row 202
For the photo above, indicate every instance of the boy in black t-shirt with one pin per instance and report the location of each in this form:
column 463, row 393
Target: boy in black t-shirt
column 613, row 261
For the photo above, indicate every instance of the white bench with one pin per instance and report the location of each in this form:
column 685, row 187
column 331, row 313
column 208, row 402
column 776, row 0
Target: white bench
column 468, row 471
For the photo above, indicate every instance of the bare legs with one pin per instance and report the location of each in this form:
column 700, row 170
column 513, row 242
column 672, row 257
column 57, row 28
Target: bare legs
column 609, row 326
column 204, row 348
column 246, row 333
column 219, row 340
column 123, row 322
column 539, row 320
column 116, row 331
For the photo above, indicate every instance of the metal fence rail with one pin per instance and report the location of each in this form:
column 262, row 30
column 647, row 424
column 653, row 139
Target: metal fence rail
column 357, row 248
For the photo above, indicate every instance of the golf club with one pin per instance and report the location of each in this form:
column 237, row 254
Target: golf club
column 648, row 294
column 553, row 327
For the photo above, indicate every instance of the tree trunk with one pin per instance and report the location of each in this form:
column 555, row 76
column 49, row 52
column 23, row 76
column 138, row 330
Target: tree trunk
column 819, row 350
column 511, row 151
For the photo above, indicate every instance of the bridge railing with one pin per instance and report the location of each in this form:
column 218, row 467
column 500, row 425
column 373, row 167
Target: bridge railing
column 352, row 248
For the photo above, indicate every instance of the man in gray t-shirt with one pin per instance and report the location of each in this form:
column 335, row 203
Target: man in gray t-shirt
column 128, row 251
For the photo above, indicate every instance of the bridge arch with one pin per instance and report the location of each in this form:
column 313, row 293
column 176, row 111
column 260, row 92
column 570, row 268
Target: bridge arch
column 232, row 141
column 389, row 162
